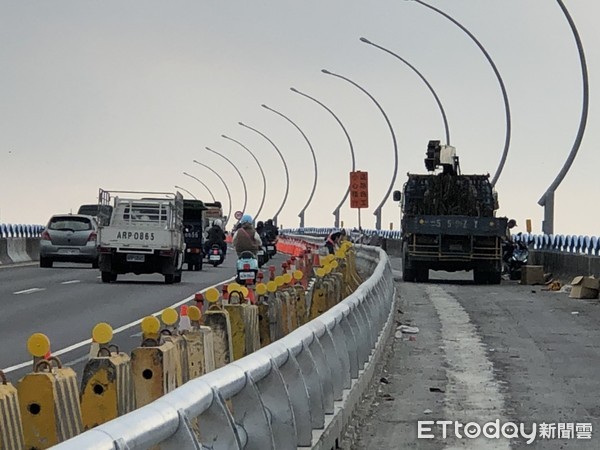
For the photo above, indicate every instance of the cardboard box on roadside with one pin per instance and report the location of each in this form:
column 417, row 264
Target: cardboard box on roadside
column 585, row 287
column 532, row 275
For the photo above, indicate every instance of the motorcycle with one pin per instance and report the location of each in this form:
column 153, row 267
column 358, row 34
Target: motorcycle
column 262, row 256
column 515, row 257
column 215, row 255
column 247, row 268
column 271, row 248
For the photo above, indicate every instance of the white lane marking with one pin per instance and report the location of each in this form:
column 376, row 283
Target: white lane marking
column 29, row 291
column 472, row 393
column 118, row 330
column 71, row 282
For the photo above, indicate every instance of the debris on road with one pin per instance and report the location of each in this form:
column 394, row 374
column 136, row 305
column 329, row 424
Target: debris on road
column 436, row 389
column 408, row 329
column 427, row 411
column 575, row 313
column 552, row 286
column 384, row 380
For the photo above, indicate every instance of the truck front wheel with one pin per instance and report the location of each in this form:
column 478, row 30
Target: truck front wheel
column 169, row 278
column 106, row 277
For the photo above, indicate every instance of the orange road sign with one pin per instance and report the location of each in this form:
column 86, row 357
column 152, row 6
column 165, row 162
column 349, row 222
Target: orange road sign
column 359, row 189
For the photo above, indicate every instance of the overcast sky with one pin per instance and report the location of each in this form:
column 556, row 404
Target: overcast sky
column 125, row 94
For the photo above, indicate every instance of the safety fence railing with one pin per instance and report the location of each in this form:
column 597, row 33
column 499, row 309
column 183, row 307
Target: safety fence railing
column 580, row 244
column 265, row 366
column 20, row 231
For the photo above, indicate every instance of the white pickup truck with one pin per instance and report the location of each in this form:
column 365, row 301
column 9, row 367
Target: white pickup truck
column 143, row 235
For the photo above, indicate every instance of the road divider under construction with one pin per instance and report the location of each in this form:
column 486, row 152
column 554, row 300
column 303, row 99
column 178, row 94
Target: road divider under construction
column 253, row 367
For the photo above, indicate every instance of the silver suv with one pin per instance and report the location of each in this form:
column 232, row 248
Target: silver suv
column 69, row 238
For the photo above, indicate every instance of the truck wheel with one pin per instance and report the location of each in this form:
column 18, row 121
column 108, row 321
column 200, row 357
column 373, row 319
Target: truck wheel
column 495, row 277
column 408, row 275
column 422, row 275
column 95, row 264
column 480, row 277
column 198, row 266
column 169, row 278
column 177, row 277
column 106, row 277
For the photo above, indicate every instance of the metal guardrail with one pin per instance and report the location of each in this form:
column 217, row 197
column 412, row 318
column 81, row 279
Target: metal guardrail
column 283, row 396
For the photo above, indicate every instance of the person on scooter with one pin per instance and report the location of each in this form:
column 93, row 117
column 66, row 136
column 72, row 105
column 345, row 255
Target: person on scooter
column 246, row 239
column 215, row 236
column 271, row 231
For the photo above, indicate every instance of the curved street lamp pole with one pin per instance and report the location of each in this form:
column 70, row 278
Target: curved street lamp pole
column 437, row 99
column 238, row 172
column 547, row 200
column 377, row 212
column 500, row 81
column 202, row 183
column 287, row 174
column 224, row 184
column 316, row 173
column 262, row 202
column 336, row 212
column 185, row 190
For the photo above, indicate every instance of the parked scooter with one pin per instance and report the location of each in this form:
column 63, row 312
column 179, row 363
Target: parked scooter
column 515, row 257
column 215, row 255
column 247, row 268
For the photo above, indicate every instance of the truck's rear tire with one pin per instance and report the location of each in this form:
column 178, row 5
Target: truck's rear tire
column 169, row 278
column 106, row 277
column 177, row 277
column 408, row 275
column 495, row 277
column 422, row 275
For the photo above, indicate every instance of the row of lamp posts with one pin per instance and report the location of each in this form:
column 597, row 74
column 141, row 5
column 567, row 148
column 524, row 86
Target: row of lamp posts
column 547, row 200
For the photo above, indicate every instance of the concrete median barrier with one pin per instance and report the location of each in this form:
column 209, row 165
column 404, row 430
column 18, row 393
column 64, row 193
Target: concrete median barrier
column 17, row 250
column 32, row 248
column 4, row 258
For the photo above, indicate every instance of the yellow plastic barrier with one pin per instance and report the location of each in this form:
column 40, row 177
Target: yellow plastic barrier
column 48, row 399
column 11, row 431
column 319, row 296
column 264, row 322
column 153, row 366
column 107, row 390
column 169, row 317
column 301, row 301
column 200, row 349
column 218, row 320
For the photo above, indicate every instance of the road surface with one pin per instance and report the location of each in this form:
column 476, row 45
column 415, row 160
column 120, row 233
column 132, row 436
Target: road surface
column 511, row 353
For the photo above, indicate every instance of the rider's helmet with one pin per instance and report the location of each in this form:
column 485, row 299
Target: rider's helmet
column 259, row 224
column 218, row 223
column 246, row 218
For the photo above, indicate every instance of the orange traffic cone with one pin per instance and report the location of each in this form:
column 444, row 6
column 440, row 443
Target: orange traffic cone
column 184, row 321
column 225, row 292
